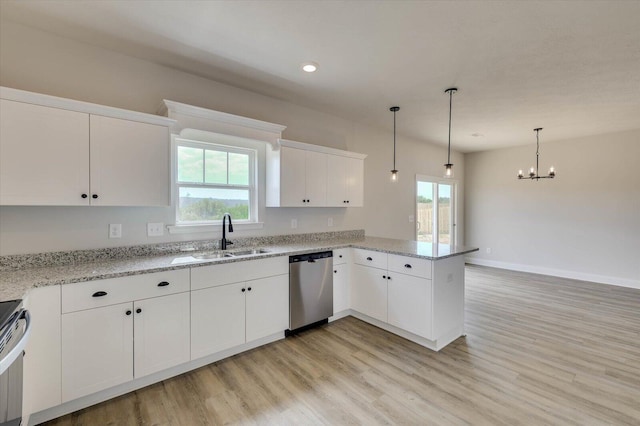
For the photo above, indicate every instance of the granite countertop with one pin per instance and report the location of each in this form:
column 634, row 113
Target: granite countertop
column 15, row 283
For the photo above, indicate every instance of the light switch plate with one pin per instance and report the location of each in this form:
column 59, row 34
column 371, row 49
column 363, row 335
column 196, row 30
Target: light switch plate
column 115, row 230
column 155, row 229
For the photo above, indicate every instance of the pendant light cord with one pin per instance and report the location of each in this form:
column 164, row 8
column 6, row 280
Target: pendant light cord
column 394, row 139
column 449, row 148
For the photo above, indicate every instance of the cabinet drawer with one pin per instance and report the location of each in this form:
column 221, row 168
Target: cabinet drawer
column 227, row 273
column 410, row 266
column 341, row 256
column 372, row 258
column 86, row 295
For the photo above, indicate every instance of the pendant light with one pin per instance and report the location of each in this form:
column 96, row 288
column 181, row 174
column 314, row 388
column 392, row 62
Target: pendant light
column 448, row 168
column 394, row 172
column 533, row 172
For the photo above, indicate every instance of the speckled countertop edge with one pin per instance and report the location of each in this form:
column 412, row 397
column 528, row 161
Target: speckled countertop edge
column 14, row 284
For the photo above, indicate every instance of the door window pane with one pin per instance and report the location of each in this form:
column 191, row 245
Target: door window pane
column 444, row 213
column 207, row 204
column 424, row 220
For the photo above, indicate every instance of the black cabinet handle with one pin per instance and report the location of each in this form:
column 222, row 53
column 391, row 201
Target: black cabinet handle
column 84, row 195
column 389, row 277
column 99, row 294
column 347, row 201
column 408, row 266
column 384, row 276
column 243, row 290
column 163, row 284
column 138, row 310
column 249, row 289
column 128, row 312
column 94, row 196
column 369, row 259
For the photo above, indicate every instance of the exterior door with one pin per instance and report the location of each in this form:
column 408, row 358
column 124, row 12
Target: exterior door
column 436, row 210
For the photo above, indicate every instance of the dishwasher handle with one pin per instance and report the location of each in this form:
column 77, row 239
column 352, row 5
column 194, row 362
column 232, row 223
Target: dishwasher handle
column 17, row 350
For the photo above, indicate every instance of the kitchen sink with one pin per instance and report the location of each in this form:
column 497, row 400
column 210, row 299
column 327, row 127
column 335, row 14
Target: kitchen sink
column 212, row 255
column 222, row 254
column 248, row 252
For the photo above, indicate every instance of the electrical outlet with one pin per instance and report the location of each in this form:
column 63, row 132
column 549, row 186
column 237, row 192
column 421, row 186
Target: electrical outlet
column 488, row 250
column 330, row 222
column 115, row 230
column 294, row 223
column 155, row 229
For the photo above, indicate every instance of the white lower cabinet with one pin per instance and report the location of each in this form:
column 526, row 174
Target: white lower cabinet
column 409, row 303
column 97, row 349
column 107, row 346
column 341, row 296
column 369, row 291
column 229, row 315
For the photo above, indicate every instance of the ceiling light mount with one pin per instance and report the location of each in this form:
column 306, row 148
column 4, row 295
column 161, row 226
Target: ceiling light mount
column 533, row 172
column 394, row 172
column 310, row 66
column 448, row 168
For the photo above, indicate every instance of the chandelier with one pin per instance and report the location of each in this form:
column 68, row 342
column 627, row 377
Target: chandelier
column 533, row 172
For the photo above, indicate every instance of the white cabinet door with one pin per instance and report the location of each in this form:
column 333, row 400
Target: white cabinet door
column 161, row 330
column 217, row 319
column 293, row 166
column 341, row 296
column 42, row 380
column 267, row 306
column 355, row 182
column 129, row 163
column 316, row 179
column 409, row 303
column 97, row 350
column 44, row 155
column 369, row 291
column 337, row 176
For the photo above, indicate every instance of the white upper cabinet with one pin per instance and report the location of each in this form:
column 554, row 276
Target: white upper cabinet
column 303, row 175
column 61, row 152
column 44, row 155
column 345, row 181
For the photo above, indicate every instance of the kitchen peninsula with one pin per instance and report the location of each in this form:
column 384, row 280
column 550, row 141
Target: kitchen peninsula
column 186, row 292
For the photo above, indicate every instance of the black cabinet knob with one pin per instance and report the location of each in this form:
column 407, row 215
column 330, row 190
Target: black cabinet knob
column 84, row 195
column 347, row 201
column 128, row 312
column 369, row 259
column 408, row 266
column 243, row 290
column 335, row 272
column 249, row 289
column 138, row 310
column 384, row 276
column 99, row 294
column 340, row 256
column 163, row 284
column 94, row 196
column 389, row 277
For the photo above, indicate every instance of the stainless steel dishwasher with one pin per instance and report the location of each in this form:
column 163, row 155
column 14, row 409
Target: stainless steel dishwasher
column 310, row 290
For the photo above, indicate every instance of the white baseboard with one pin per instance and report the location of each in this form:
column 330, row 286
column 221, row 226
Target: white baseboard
column 562, row 273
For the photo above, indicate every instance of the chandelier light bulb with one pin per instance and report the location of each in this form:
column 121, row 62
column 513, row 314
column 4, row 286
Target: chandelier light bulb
column 520, row 175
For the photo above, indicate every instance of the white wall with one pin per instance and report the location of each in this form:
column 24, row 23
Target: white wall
column 584, row 224
column 40, row 62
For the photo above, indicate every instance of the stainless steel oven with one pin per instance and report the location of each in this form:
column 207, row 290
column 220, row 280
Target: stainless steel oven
column 15, row 327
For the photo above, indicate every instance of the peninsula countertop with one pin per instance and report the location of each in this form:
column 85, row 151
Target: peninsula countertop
column 14, row 284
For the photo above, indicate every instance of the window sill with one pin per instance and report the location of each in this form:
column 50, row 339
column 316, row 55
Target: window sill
column 192, row 229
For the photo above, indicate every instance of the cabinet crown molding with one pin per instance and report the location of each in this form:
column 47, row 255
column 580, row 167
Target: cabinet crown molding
column 24, row 96
column 320, row 148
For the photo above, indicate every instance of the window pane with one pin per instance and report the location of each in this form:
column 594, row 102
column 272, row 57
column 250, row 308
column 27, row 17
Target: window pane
column 215, row 167
column 424, row 220
column 238, row 169
column 444, row 213
column 206, row 204
column 189, row 164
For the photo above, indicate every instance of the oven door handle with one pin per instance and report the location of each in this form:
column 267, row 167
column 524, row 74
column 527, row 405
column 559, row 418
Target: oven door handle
column 6, row 362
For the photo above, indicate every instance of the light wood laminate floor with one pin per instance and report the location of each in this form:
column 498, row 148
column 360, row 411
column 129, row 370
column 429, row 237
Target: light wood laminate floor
column 539, row 350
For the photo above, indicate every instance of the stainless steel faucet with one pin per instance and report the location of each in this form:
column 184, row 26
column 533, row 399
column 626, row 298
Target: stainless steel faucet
column 223, row 241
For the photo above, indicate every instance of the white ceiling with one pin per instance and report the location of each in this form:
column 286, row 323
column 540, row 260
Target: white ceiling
column 571, row 67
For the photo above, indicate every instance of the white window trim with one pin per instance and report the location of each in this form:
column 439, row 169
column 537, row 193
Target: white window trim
column 213, row 226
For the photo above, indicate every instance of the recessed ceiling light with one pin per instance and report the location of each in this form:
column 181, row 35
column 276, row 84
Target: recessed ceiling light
column 310, row 66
